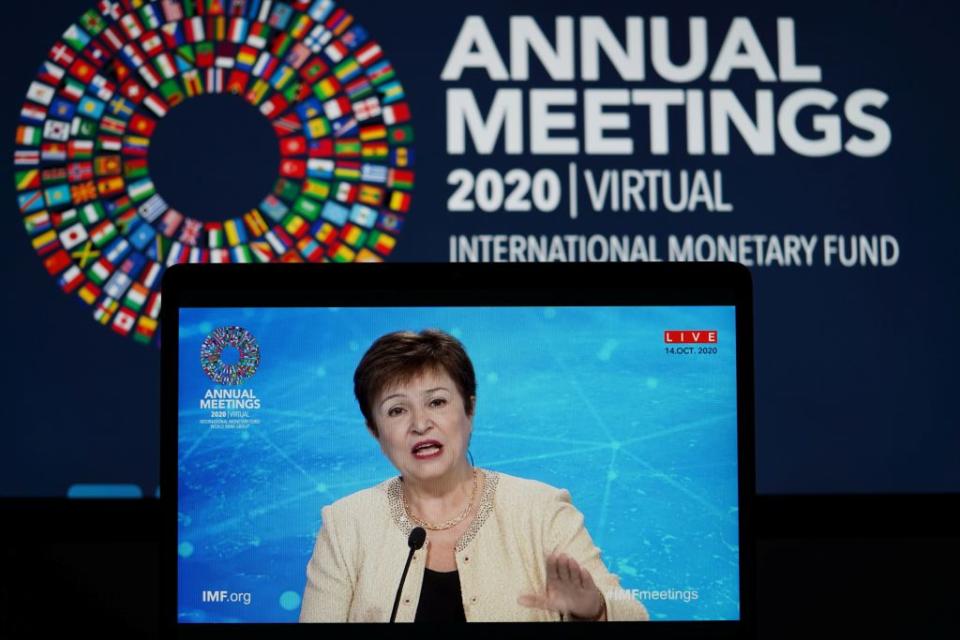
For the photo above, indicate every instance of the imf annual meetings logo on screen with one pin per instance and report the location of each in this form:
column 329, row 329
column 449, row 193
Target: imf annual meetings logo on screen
column 243, row 345
column 85, row 189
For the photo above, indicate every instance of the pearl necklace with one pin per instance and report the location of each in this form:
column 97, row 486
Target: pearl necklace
column 443, row 525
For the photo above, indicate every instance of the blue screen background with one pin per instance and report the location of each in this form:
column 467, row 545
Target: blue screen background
column 585, row 399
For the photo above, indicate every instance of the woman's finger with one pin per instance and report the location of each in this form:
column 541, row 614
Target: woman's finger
column 553, row 567
column 532, row 600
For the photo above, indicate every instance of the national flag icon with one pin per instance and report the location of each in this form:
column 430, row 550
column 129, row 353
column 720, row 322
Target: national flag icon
column 345, row 192
column 381, row 242
column 347, row 170
column 109, row 143
column 142, row 125
column 141, row 189
column 363, row 215
column 370, row 195
column 352, row 235
column 110, row 186
column 368, row 54
column 72, row 89
column 153, row 306
column 366, row 109
column 310, row 249
column 400, row 201
column 83, row 128
column 82, row 70
column 62, row 109
column 327, row 88
column 259, row 32
column 124, row 321
column 56, row 130
column 53, row 151
column 58, row 196
column 152, row 44
column 79, row 171
column 347, row 70
column 293, row 168
column 391, row 92
column 307, row 208
column 335, row 213
column 34, row 223
column 151, row 274
column 40, row 93
column 400, row 135
column 274, row 208
column 71, row 278
column 63, row 219
column 374, row 151
column 131, row 26
column 142, row 235
column 105, row 310
column 373, row 173
column 396, row 113
column 52, row 175
column 237, row 82
column 372, row 132
column 89, row 292
column 146, row 327
column 390, row 222
column 322, row 148
column 354, row 37
column 27, row 135
column 345, row 127
column 136, row 296
column 26, row 157
column 295, row 225
column 107, row 165
column 111, row 37
column 92, row 213
column 86, row 254
column 318, row 127
column 400, row 179
column 365, row 255
column 316, row 189
column 380, row 72
column 99, row 272
column 112, row 125
column 29, row 179
column 83, row 192
column 313, row 69
column 90, row 107
column 61, row 55
column 103, row 233
column 359, row 88
column 76, row 37
column 80, row 149
column 97, row 54
column 32, row 113
column 30, row 201
column 324, row 232
column 347, row 148
column 286, row 189
column 342, row 253
column 235, row 232
column 57, row 262
column 339, row 21
column 45, row 242
column 73, row 235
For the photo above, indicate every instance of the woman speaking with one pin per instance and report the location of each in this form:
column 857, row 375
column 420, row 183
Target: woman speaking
column 498, row 547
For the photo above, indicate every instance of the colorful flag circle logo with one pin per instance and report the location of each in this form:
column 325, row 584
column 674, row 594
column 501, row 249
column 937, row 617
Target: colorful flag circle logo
column 211, row 355
column 92, row 213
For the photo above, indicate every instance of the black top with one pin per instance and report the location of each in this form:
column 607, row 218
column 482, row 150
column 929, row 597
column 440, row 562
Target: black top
column 440, row 599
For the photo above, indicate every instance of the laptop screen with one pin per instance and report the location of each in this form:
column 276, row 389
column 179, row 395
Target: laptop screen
column 621, row 421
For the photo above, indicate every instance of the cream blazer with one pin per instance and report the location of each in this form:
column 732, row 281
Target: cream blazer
column 361, row 549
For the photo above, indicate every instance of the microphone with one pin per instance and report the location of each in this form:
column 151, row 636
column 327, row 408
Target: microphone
column 417, row 537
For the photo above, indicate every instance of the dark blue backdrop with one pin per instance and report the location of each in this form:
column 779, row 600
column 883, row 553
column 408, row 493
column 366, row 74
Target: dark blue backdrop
column 854, row 367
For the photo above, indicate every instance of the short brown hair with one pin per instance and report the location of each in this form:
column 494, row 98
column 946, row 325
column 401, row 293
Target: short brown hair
column 397, row 357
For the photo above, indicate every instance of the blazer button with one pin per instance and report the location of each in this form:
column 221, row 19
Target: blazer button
column 473, row 600
column 406, row 601
column 466, row 559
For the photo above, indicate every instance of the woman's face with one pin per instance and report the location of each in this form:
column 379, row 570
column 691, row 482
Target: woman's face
column 423, row 425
